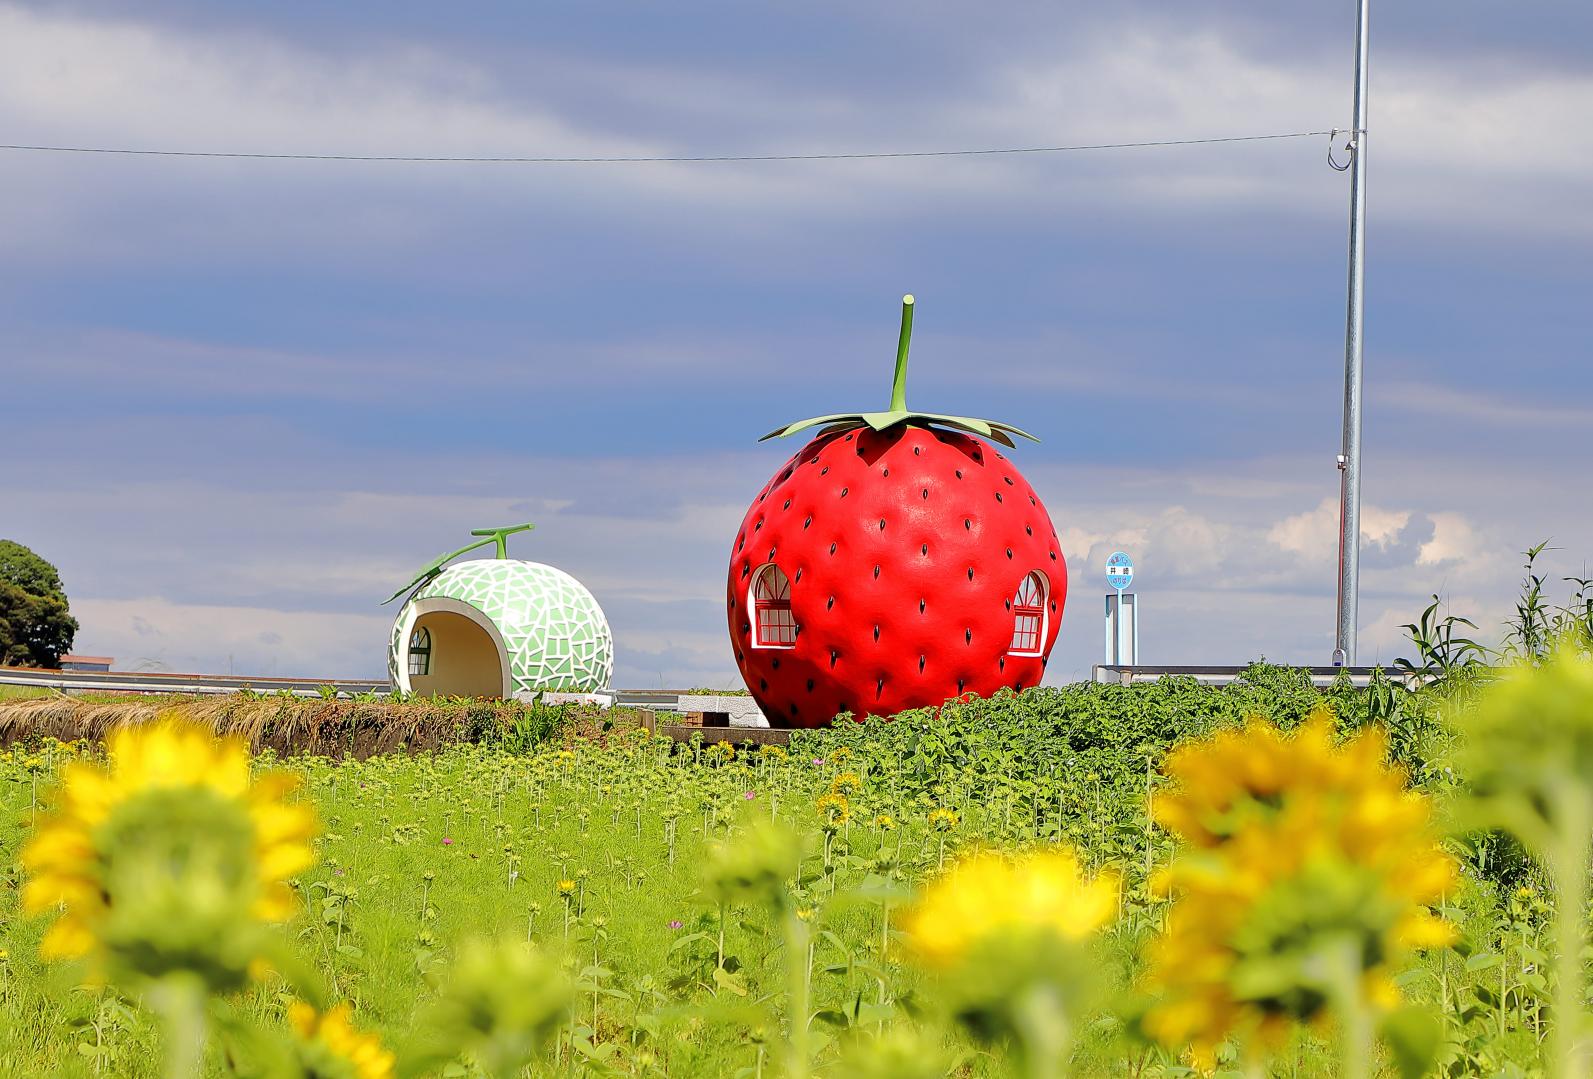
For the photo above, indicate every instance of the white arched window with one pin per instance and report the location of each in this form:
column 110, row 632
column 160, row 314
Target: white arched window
column 420, row 651
column 1028, row 616
column 773, row 625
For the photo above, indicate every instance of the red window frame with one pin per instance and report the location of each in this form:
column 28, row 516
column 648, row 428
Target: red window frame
column 1028, row 616
column 773, row 624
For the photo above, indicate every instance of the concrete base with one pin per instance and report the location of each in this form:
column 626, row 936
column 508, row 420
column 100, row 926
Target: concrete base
column 723, row 710
column 602, row 700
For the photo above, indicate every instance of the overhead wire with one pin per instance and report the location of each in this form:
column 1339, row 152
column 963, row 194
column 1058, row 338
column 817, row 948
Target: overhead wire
column 659, row 159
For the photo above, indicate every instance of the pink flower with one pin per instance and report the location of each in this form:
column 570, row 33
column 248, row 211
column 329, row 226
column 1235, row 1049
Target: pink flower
column 750, row 795
column 447, row 842
column 818, row 760
column 676, row 924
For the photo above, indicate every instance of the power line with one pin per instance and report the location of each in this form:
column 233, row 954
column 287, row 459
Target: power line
column 651, row 160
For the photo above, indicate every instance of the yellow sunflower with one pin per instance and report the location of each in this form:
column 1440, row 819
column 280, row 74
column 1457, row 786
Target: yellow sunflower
column 1011, row 942
column 331, row 1044
column 989, row 894
column 165, row 858
column 1308, row 880
column 834, row 809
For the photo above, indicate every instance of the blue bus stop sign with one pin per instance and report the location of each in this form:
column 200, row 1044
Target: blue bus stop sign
column 1119, row 570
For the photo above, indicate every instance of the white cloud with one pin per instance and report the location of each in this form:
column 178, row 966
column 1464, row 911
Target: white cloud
column 1314, row 534
column 1478, row 149
column 153, row 633
column 1454, row 540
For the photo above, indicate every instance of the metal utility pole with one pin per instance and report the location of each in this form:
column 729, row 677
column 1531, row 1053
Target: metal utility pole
column 1350, row 457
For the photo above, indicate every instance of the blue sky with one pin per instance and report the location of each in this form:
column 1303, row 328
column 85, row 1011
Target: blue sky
column 249, row 397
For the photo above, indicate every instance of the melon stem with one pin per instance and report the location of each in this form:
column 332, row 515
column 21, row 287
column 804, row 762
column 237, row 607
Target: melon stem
column 899, row 383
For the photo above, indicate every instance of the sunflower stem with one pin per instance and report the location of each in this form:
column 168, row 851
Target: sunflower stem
column 180, row 1002
column 798, row 1059
column 1357, row 1038
column 1568, row 866
column 1040, row 1021
column 899, row 382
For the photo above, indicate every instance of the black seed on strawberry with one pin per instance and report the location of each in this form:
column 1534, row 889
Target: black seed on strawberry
column 998, row 496
column 921, row 606
column 810, row 685
column 799, row 572
column 831, row 603
column 967, row 523
column 924, row 494
column 843, row 492
column 763, row 683
column 1028, row 531
column 1009, row 552
column 917, row 450
column 879, row 686
column 1002, row 663
column 920, row 664
column 876, row 631
column 885, row 473
column 876, row 571
column 806, row 521
column 788, row 501
column 924, row 549
column 882, row 524
column 834, row 655
column 746, row 570
column 959, row 685
column 776, row 662
column 959, row 473
column 967, row 636
column 832, row 548
column 757, row 526
column 793, row 710
column 825, row 471
column 970, row 573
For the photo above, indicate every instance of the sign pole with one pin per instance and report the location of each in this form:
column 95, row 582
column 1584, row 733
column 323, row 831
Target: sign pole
column 1122, row 637
column 1350, row 459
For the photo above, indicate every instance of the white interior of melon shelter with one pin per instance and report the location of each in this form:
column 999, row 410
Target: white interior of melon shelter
column 467, row 655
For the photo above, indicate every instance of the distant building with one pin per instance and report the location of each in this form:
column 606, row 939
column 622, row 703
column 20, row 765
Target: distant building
column 86, row 663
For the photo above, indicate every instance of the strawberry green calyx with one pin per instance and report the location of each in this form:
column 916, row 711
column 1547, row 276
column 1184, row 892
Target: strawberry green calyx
column 898, row 412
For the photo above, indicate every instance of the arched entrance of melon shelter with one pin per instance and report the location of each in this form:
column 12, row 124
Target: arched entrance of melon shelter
column 453, row 650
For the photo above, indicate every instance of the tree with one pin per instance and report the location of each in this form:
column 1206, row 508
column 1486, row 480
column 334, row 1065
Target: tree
column 36, row 623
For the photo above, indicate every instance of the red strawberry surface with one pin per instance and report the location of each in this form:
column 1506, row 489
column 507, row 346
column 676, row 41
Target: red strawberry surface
column 900, row 561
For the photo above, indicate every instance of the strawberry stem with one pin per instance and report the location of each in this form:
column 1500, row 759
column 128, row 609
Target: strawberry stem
column 899, row 383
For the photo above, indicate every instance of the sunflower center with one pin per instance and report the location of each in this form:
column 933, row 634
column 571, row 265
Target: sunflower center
column 179, row 879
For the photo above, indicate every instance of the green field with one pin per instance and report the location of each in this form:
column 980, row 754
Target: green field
column 422, row 851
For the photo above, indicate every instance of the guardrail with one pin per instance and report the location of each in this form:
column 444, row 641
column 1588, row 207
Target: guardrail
column 1113, row 674
column 663, row 700
column 161, row 682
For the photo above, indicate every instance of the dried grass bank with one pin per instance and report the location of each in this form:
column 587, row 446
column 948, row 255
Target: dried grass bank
column 329, row 727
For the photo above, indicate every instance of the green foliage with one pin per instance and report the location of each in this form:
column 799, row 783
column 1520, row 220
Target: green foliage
column 36, row 626
column 21, row 567
column 675, row 961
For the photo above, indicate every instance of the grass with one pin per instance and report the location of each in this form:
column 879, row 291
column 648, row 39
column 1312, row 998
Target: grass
column 326, row 726
column 424, row 849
